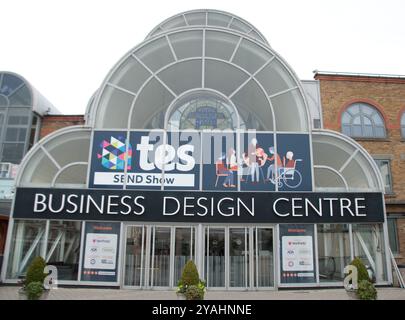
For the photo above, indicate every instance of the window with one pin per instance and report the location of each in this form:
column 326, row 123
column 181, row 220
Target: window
column 403, row 125
column 393, row 234
column 15, row 135
column 361, row 120
column 385, row 169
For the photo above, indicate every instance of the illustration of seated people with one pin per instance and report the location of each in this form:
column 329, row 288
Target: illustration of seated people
column 244, row 166
column 226, row 166
column 257, row 159
column 288, row 161
column 271, row 170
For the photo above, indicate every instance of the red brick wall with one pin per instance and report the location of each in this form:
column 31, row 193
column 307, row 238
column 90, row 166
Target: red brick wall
column 388, row 96
column 52, row 123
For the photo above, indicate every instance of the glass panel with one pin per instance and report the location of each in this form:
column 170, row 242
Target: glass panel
column 155, row 54
column 346, row 130
column 63, row 248
column 215, row 257
column 22, row 97
column 264, row 270
column 367, row 109
column 377, row 119
column 356, row 131
column 161, row 257
column 346, row 118
column 187, row 44
column 393, row 235
column 13, row 152
column 275, row 78
column 403, row 132
column 251, row 56
column 384, row 166
column 218, row 19
column 238, row 257
column 333, row 251
column 183, row 250
column 354, row 109
column 369, row 246
column 135, row 256
column 16, row 134
column 357, row 120
column 368, row 131
column 379, row 132
column 220, row 45
column 9, row 84
column 26, row 242
column 130, row 75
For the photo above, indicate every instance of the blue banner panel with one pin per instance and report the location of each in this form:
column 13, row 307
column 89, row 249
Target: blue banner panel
column 256, row 161
column 220, row 161
column 101, row 251
column 294, row 152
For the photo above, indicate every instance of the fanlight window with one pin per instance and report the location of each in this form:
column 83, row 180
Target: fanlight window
column 361, row 120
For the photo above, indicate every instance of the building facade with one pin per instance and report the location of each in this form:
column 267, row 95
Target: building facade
column 201, row 143
column 22, row 108
column 370, row 109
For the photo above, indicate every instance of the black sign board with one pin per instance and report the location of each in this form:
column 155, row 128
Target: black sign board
column 198, row 206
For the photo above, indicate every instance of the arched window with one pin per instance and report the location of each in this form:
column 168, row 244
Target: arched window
column 403, row 125
column 361, row 120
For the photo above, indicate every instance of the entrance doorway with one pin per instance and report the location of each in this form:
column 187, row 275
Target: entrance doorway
column 155, row 255
column 239, row 257
column 236, row 257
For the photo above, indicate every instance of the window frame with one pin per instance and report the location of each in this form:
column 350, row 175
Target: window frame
column 395, row 224
column 402, row 124
column 388, row 161
column 348, row 127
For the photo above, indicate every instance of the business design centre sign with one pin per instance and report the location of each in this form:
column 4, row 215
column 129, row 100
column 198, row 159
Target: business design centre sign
column 198, row 206
column 200, row 160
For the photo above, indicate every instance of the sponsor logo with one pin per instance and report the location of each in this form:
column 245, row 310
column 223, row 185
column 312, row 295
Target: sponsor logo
column 113, row 152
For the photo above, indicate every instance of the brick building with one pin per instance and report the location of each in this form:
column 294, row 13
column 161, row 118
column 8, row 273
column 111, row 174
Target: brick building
column 370, row 108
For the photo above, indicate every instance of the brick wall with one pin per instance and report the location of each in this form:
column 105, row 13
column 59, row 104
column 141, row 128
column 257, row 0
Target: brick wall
column 52, row 123
column 388, row 96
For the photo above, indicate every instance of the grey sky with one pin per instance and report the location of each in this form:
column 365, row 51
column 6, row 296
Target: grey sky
column 66, row 48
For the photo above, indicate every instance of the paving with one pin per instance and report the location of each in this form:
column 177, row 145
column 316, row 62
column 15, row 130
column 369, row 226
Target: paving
column 11, row 293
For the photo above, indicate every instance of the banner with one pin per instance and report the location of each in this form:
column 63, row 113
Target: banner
column 100, row 254
column 198, row 206
column 297, row 258
column 207, row 160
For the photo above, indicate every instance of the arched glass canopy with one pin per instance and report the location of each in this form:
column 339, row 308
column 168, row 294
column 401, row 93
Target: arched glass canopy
column 208, row 18
column 249, row 74
column 14, row 91
column 342, row 164
column 60, row 159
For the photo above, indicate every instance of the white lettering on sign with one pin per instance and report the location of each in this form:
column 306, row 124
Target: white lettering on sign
column 164, row 156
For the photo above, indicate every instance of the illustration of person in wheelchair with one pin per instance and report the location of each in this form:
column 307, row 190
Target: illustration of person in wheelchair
column 287, row 172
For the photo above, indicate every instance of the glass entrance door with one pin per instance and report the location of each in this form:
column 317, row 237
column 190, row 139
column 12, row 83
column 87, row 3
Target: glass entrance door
column 155, row 255
column 239, row 257
column 264, row 257
column 215, row 257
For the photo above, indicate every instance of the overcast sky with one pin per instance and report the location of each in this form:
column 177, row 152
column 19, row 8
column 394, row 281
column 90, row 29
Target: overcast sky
column 66, row 48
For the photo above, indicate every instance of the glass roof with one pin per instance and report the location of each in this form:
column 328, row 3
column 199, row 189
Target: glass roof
column 208, row 18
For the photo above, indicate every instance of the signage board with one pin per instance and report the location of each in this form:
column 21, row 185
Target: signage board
column 297, row 253
column 198, row 206
column 100, row 254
